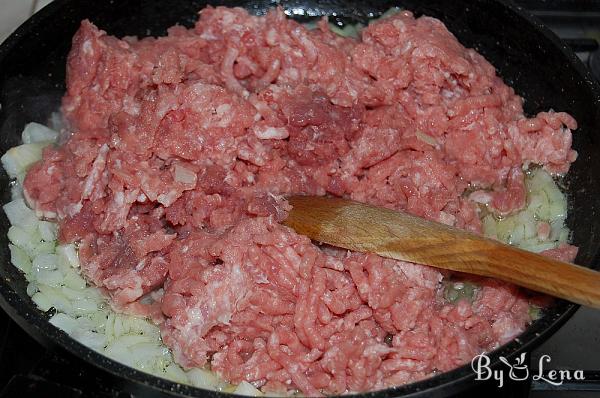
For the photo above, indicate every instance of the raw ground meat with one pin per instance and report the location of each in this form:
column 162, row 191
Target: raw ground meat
column 182, row 149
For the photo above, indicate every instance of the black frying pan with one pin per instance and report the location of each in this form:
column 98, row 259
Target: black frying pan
column 527, row 55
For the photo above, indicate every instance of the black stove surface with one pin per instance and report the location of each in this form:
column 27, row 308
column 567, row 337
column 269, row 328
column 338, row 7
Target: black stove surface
column 29, row 370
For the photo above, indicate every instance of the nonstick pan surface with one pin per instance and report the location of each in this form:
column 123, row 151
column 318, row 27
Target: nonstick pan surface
column 526, row 54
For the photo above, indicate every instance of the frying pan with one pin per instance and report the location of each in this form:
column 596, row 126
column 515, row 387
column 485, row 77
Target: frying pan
column 527, row 55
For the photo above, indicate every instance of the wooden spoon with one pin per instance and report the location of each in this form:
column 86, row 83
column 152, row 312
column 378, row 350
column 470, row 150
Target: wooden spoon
column 397, row 235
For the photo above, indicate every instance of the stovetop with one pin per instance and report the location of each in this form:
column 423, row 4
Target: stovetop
column 28, row 369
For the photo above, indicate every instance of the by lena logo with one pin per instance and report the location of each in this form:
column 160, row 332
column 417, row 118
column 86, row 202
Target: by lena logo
column 520, row 371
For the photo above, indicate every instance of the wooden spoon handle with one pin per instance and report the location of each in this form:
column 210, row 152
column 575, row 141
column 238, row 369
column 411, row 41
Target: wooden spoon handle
column 398, row 235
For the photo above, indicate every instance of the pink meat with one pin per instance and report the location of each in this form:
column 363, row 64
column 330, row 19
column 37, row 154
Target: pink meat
column 182, row 150
column 265, row 305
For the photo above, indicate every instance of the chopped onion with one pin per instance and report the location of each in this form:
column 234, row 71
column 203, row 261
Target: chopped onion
column 64, row 322
column 17, row 160
column 35, row 132
column 16, row 190
column 68, row 255
column 247, row 389
column 74, row 294
column 25, row 239
column 89, row 338
column 45, row 262
column 19, row 258
column 85, row 306
column 202, row 378
column 42, row 301
column 48, row 230
column 175, row 373
column 57, row 298
column 390, row 12
column 545, row 203
column 73, row 280
column 349, row 30
column 32, row 289
column 47, row 277
column 19, row 214
column 43, row 248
